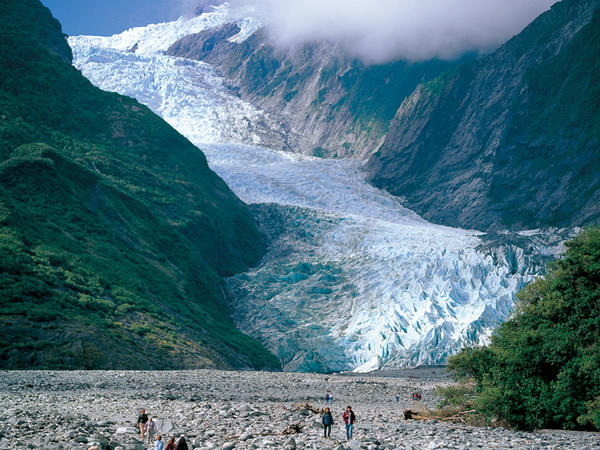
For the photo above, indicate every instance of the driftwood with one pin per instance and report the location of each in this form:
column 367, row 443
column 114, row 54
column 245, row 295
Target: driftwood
column 415, row 415
column 410, row 414
column 309, row 407
column 294, row 428
column 460, row 417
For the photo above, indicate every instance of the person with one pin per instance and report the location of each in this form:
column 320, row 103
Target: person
column 327, row 398
column 182, row 444
column 142, row 419
column 150, row 429
column 349, row 419
column 327, row 422
column 397, row 398
column 158, row 444
column 171, row 444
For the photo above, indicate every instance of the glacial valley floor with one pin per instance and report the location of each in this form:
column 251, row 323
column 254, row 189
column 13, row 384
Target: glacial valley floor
column 241, row 410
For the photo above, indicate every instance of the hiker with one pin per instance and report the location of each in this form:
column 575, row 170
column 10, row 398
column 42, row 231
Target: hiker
column 158, row 444
column 327, row 422
column 327, row 398
column 150, row 429
column 171, row 444
column 397, row 398
column 182, row 444
column 142, row 419
column 349, row 419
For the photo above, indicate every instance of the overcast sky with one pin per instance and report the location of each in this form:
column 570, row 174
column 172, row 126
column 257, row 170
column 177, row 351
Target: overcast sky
column 374, row 30
column 378, row 30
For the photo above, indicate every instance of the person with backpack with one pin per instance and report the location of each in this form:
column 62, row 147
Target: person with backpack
column 327, row 423
column 349, row 419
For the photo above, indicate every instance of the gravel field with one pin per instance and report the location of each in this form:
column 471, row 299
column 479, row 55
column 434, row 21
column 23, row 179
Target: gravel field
column 242, row 410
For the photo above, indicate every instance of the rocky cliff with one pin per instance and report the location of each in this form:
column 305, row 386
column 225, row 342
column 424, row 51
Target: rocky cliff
column 509, row 140
column 329, row 103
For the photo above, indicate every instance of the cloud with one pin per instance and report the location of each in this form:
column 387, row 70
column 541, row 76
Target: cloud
column 381, row 30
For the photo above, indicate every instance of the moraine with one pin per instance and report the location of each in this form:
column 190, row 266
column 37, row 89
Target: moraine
column 351, row 280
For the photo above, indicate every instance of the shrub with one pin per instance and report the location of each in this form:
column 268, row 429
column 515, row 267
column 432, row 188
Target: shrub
column 542, row 368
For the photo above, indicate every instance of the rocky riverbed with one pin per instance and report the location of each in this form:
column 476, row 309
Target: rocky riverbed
column 241, row 410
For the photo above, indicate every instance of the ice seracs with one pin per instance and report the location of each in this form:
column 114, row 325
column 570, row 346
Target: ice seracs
column 351, row 279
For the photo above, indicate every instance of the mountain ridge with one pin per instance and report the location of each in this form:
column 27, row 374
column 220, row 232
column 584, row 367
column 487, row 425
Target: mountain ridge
column 332, row 105
column 486, row 162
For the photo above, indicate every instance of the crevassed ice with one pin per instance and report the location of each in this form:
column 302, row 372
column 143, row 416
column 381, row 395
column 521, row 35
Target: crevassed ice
column 351, row 280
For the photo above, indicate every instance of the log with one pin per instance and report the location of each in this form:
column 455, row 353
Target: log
column 410, row 414
column 294, row 428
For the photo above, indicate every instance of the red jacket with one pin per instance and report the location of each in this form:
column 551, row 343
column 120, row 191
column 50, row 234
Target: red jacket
column 352, row 417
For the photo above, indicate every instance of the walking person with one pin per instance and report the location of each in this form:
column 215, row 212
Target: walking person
column 171, row 444
column 141, row 423
column 182, row 444
column 159, row 444
column 327, row 423
column 150, row 429
column 349, row 419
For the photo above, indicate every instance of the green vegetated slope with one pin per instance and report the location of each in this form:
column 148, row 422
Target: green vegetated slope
column 542, row 368
column 510, row 140
column 332, row 103
column 114, row 233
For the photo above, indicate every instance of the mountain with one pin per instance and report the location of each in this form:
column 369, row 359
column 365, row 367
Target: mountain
column 330, row 104
column 115, row 233
column 350, row 279
column 510, row 140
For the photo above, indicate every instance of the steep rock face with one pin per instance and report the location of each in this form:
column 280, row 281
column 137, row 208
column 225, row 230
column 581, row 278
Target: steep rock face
column 330, row 104
column 510, row 140
column 114, row 233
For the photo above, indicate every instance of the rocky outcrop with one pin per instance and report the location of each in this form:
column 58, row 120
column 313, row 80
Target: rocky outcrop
column 510, row 140
column 330, row 104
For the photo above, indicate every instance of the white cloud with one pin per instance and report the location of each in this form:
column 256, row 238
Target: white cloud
column 380, row 30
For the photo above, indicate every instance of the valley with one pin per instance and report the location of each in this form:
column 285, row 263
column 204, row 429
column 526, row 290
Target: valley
column 351, row 279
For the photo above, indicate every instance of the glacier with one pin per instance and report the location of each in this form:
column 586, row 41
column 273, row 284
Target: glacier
column 351, row 279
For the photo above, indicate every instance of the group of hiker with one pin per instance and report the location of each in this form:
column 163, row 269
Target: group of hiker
column 147, row 428
column 349, row 418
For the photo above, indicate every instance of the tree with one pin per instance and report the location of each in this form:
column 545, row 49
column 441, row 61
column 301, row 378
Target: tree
column 542, row 368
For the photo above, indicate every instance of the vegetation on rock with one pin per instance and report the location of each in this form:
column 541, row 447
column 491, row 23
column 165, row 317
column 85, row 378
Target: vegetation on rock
column 510, row 140
column 114, row 231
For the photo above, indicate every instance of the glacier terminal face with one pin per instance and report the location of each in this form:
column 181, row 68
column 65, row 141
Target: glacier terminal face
column 351, row 279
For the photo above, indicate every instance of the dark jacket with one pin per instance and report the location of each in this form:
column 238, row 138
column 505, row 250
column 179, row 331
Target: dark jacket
column 349, row 418
column 327, row 419
column 143, row 418
column 182, row 445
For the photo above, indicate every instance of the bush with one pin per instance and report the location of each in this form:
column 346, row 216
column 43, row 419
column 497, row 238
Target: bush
column 542, row 368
